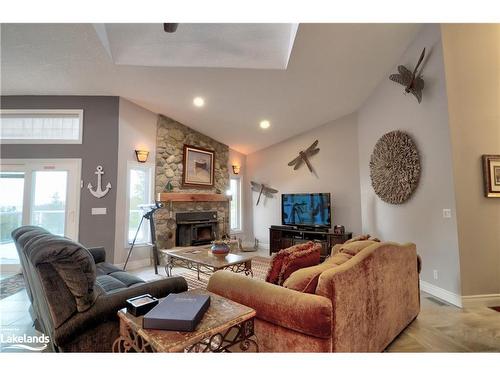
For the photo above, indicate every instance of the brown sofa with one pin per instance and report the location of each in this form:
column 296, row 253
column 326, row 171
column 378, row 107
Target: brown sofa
column 359, row 306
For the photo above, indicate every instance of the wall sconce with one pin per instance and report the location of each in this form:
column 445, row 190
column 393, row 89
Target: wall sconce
column 236, row 169
column 141, row 155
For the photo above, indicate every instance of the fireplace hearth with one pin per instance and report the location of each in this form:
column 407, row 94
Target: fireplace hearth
column 195, row 228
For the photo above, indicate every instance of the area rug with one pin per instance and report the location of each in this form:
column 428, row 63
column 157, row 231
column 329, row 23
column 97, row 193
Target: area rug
column 260, row 266
column 11, row 285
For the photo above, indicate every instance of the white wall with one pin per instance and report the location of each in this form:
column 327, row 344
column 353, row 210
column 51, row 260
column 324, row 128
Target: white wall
column 337, row 171
column 137, row 130
column 472, row 60
column 420, row 219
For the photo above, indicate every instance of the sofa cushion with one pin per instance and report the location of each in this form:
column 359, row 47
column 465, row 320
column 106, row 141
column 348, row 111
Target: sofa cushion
column 105, row 268
column 117, row 280
column 277, row 261
column 126, row 278
column 299, row 259
column 355, row 247
column 109, row 283
column 306, row 279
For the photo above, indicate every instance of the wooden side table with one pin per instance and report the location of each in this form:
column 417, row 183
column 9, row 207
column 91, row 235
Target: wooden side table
column 227, row 326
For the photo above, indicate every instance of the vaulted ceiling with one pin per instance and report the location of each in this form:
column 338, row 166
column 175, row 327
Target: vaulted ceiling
column 331, row 70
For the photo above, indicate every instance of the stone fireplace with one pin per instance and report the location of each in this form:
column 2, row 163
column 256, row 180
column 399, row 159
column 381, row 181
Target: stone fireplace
column 171, row 137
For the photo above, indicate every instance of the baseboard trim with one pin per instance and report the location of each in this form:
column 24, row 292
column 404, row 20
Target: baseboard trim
column 481, row 300
column 441, row 293
column 135, row 264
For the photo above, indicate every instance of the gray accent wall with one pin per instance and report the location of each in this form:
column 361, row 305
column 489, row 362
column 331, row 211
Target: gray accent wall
column 99, row 147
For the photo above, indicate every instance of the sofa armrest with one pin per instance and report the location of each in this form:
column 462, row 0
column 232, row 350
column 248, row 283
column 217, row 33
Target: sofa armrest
column 98, row 253
column 106, row 306
column 305, row 313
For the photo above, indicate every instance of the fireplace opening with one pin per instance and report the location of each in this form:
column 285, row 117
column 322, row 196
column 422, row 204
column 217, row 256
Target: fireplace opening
column 204, row 233
column 195, row 228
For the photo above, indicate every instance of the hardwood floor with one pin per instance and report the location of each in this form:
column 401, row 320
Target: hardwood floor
column 438, row 328
column 441, row 327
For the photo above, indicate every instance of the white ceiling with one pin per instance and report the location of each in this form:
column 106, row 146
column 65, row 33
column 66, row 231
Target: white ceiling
column 230, row 45
column 332, row 69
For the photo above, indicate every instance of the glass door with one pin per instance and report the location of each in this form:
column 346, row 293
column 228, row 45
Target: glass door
column 11, row 212
column 38, row 192
column 48, row 205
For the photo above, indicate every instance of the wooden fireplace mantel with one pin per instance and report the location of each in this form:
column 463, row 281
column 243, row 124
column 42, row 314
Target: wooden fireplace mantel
column 192, row 197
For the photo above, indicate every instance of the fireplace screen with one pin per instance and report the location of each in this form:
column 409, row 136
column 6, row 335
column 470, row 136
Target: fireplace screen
column 195, row 228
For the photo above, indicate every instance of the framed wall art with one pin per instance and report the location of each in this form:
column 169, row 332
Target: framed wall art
column 198, row 167
column 491, row 176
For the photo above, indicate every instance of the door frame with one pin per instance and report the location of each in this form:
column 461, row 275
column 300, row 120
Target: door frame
column 74, row 165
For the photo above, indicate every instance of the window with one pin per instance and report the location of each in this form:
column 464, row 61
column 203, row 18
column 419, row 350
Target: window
column 139, row 194
column 235, row 188
column 41, row 126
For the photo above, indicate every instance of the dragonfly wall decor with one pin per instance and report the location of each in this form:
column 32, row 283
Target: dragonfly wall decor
column 304, row 157
column 413, row 82
column 262, row 189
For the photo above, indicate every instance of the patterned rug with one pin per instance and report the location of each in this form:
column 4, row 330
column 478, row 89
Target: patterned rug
column 11, row 285
column 260, row 266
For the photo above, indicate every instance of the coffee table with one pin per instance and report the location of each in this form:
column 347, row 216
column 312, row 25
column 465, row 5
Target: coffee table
column 227, row 326
column 203, row 261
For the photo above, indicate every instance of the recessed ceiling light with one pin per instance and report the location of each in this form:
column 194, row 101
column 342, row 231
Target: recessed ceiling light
column 198, row 101
column 265, row 124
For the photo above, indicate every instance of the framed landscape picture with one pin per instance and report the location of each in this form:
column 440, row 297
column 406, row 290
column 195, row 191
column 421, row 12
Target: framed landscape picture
column 491, row 171
column 198, row 167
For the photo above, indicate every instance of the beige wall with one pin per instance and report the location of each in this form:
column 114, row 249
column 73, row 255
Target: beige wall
column 472, row 60
column 337, row 173
column 420, row 219
column 137, row 130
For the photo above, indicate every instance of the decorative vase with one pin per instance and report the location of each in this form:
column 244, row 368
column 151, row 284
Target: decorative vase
column 220, row 248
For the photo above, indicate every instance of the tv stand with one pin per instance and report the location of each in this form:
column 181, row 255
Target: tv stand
column 281, row 237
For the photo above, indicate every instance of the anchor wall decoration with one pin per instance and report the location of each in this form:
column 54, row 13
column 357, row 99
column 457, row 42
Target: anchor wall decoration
column 98, row 192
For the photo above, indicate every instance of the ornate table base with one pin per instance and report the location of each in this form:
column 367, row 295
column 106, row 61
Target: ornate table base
column 200, row 268
column 240, row 338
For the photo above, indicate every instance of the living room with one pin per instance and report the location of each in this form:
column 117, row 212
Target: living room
column 251, row 174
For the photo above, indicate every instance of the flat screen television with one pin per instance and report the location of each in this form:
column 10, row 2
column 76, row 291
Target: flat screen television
column 306, row 210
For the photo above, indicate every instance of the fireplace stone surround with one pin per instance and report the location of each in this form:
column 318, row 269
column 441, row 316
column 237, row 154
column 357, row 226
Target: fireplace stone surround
column 170, row 139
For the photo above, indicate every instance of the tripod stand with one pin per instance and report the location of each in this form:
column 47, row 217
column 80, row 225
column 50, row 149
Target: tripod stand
column 148, row 216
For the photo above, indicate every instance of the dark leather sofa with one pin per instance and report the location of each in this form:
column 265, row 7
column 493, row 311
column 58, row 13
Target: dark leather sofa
column 75, row 294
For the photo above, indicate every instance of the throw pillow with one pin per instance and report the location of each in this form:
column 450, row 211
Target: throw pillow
column 274, row 270
column 361, row 237
column 299, row 259
column 355, row 247
column 306, row 279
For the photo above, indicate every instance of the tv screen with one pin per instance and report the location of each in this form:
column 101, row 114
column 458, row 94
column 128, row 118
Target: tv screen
column 306, row 209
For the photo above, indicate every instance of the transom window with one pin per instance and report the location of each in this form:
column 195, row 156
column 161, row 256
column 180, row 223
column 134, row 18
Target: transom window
column 50, row 126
